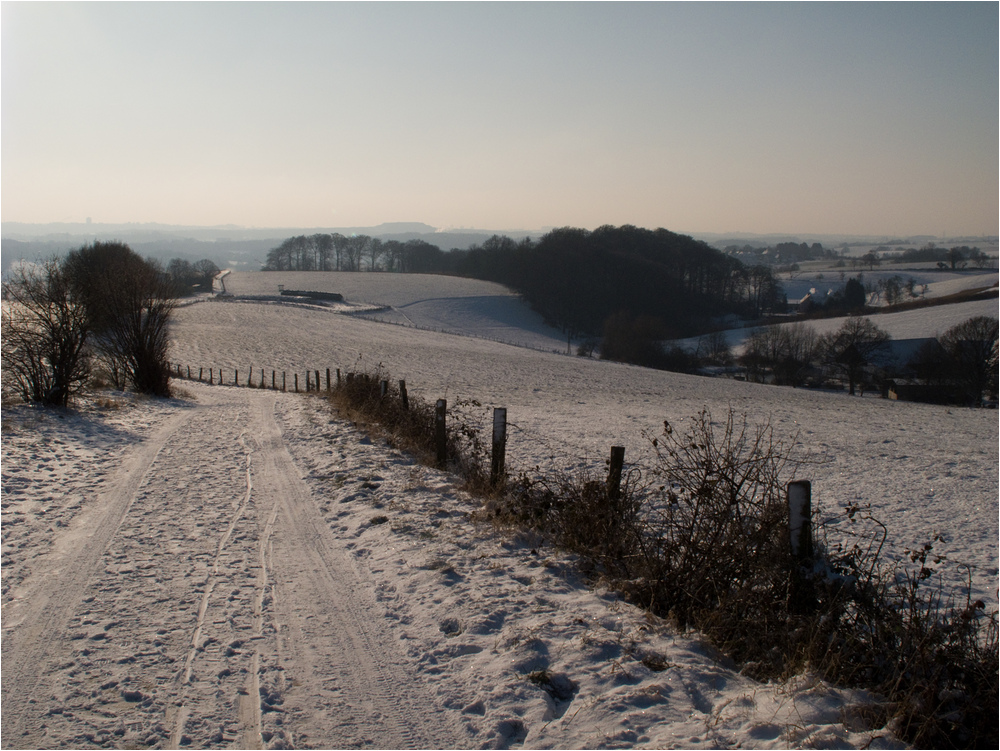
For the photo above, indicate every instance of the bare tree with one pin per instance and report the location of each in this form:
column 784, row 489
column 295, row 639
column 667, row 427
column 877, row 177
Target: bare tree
column 44, row 335
column 323, row 246
column 339, row 250
column 853, row 347
column 129, row 302
column 374, row 250
column 972, row 349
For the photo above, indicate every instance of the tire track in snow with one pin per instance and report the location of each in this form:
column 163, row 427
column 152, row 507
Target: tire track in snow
column 249, row 721
column 351, row 686
column 34, row 623
column 211, row 607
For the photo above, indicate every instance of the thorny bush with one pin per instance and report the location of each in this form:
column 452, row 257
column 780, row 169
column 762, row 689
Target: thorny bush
column 703, row 540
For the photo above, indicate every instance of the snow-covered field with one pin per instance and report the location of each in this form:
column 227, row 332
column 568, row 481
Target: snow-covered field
column 237, row 568
column 905, row 324
column 939, row 283
column 451, row 304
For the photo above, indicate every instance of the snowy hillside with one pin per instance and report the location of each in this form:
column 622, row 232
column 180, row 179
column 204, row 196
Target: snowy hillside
column 568, row 411
column 438, row 303
column 237, row 568
column 906, row 324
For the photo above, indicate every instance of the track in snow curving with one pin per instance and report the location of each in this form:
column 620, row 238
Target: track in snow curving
column 205, row 603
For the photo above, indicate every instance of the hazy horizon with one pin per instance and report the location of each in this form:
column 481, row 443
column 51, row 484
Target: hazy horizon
column 728, row 119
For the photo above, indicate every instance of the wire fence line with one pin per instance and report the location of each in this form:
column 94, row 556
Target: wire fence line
column 528, row 449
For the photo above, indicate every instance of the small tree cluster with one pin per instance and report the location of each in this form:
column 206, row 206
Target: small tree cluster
column 189, row 278
column 129, row 301
column 337, row 252
column 102, row 303
column 785, row 353
column 964, row 359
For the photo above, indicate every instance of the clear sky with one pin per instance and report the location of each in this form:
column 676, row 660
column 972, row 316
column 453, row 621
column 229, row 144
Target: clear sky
column 824, row 118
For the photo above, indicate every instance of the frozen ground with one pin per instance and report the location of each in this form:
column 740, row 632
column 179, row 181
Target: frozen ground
column 233, row 568
column 236, row 568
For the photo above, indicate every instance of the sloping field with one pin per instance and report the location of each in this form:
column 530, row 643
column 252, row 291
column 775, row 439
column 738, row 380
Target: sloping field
column 924, row 469
column 939, row 283
column 906, row 324
column 426, row 301
column 239, row 568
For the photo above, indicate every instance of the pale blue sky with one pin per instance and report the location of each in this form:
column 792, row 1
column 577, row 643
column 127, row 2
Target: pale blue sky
column 823, row 118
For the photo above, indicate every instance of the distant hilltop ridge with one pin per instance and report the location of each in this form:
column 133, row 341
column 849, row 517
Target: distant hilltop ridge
column 446, row 238
column 139, row 231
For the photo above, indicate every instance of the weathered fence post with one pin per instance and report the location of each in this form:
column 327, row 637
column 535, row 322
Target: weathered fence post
column 262, row 378
column 499, row 445
column 250, row 377
column 296, row 383
column 211, row 378
column 802, row 596
column 799, row 494
column 317, row 381
column 338, row 376
column 200, row 371
column 328, row 380
column 307, row 381
column 440, row 434
column 274, row 386
column 383, row 389
column 189, row 372
column 615, row 472
column 236, row 377
column 283, row 380
column 402, row 395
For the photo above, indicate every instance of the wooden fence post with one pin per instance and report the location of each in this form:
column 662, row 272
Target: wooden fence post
column 328, row 380
column 189, row 372
column 440, row 434
column 338, row 376
column 250, row 377
column 296, row 383
column 802, row 594
column 273, row 384
column 499, row 445
column 262, row 378
column 283, row 380
column 383, row 389
column 236, row 377
column 211, row 378
column 307, row 381
column 402, row 395
column 799, row 495
column 615, row 472
column 317, row 381
column 200, row 371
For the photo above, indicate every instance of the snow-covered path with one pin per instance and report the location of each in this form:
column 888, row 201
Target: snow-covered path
column 202, row 600
column 238, row 568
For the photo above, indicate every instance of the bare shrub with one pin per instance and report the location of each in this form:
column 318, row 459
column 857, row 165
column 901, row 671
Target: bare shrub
column 704, row 541
column 45, row 333
column 713, row 526
column 359, row 397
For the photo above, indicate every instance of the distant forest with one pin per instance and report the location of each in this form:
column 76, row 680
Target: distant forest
column 655, row 284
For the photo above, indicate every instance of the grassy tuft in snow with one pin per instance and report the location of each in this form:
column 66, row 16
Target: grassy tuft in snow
column 703, row 540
